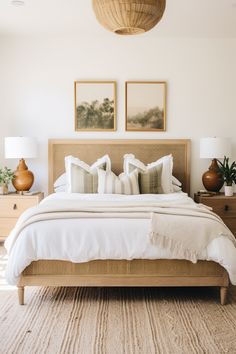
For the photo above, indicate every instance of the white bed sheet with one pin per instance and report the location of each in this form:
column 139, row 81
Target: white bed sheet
column 82, row 240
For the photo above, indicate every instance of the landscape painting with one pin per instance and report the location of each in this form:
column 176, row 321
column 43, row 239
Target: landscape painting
column 145, row 106
column 95, row 105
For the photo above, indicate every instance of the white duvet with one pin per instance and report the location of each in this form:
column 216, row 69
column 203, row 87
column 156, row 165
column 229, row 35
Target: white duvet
column 82, row 240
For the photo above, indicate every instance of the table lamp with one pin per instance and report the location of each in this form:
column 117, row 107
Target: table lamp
column 214, row 148
column 21, row 147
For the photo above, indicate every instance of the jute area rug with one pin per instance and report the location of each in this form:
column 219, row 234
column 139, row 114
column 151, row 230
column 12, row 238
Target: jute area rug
column 115, row 320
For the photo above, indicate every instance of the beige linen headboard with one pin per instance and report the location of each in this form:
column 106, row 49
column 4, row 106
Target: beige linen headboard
column 145, row 150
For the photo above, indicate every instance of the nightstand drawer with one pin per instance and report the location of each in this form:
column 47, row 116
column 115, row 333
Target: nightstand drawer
column 224, row 208
column 230, row 222
column 6, row 225
column 14, row 206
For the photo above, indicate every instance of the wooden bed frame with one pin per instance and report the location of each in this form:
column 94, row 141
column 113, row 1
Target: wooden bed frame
column 136, row 272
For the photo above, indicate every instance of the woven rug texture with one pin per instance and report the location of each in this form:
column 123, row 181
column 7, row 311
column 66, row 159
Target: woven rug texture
column 115, row 320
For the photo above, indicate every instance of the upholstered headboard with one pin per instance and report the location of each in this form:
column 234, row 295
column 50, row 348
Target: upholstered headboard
column 145, row 150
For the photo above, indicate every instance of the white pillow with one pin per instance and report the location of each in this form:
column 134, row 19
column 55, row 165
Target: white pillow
column 176, row 188
column 130, row 163
column 82, row 178
column 60, row 183
column 176, row 182
column 108, row 182
column 60, row 189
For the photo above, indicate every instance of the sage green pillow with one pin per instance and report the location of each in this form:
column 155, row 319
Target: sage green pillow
column 150, row 180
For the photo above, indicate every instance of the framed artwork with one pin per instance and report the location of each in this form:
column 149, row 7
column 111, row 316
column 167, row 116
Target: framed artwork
column 145, row 104
column 95, row 105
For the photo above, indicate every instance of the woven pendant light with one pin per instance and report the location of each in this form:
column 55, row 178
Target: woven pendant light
column 129, row 16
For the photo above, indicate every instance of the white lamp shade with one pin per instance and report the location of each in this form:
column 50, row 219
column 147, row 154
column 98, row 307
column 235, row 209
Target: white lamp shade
column 20, row 148
column 215, row 148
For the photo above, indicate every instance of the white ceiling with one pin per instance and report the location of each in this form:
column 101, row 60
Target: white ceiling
column 182, row 18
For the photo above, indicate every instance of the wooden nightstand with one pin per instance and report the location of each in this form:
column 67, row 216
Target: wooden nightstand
column 223, row 206
column 11, row 207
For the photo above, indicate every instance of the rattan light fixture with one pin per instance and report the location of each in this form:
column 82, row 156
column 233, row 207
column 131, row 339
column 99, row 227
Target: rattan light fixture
column 129, row 16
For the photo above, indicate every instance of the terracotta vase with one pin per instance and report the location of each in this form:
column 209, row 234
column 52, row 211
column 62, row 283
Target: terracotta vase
column 24, row 178
column 212, row 179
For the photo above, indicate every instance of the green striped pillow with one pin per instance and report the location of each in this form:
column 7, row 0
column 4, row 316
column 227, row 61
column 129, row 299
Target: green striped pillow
column 108, row 182
column 150, row 180
column 131, row 162
column 83, row 181
column 82, row 178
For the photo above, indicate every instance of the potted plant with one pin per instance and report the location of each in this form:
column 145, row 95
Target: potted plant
column 228, row 174
column 6, row 176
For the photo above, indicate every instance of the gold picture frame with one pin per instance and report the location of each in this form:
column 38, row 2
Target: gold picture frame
column 145, row 105
column 95, row 105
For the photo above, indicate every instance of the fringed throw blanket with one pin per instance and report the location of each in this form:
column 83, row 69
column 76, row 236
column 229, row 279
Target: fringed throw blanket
column 185, row 230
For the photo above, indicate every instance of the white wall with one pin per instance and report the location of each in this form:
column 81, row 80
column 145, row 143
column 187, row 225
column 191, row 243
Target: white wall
column 36, row 88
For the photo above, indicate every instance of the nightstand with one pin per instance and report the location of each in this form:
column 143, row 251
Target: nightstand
column 223, row 206
column 12, row 206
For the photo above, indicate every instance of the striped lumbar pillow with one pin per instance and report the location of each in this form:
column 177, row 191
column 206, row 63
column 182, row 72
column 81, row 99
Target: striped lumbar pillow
column 108, row 182
column 82, row 178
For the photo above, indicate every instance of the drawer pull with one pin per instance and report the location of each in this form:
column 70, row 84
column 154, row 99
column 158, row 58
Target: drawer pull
column 14, row 206
column 226, row 208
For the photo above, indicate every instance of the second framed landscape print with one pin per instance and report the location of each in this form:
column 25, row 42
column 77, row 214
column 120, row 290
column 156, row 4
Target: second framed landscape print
column 95, row 105
column 145, row 104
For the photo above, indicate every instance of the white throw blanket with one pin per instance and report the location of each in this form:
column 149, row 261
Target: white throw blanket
column 184, row 230
column 186, row 233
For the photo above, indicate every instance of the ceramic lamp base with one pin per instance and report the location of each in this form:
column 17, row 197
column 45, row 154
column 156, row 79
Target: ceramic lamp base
column 212, row 179
column 24, row 178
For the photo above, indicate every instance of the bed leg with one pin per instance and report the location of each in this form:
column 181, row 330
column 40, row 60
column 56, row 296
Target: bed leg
column 223, row 294
column 21, row 294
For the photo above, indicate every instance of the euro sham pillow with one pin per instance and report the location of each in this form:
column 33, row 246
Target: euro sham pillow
column 108, row 182
column 131, row 163
column 176, row 184
column 176, row 188
column 82, row 178
column 60, row 184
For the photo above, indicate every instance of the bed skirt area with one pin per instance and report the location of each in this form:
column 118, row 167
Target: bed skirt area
column 135, row 273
